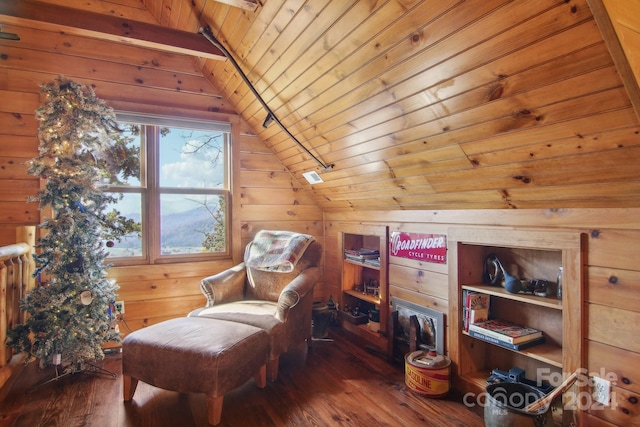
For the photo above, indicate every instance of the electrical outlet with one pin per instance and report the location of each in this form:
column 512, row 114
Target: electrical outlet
column 601, row 390
column 119, row 307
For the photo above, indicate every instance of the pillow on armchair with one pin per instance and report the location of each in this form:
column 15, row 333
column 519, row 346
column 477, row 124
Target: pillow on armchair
column 275, row 252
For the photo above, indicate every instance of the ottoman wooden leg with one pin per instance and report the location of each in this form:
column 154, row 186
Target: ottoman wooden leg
column 128, row 387
column 260, row 377
column 272, row 366
column 214, row 409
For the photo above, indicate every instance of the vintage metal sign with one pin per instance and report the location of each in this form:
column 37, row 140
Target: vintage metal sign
column 422, row 247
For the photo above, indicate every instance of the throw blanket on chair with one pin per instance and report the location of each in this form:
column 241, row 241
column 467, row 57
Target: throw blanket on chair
column 276, row 251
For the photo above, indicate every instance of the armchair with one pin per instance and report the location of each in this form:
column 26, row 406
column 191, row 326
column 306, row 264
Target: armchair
column 272, row 290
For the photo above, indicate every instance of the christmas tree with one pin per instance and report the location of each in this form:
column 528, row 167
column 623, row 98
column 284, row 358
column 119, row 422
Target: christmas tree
column 81, row 153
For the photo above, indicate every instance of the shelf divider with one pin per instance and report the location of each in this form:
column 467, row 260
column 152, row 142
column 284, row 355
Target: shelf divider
column 361, row 264
column 545, row 352
column 364, row 297
column 548, row 302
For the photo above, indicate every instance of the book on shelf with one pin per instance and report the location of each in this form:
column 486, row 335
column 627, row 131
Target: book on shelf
column 363, row 255
column 506, row 331
column 373, row 262
column 475, row 308
column 505, row 344
column 478, row 315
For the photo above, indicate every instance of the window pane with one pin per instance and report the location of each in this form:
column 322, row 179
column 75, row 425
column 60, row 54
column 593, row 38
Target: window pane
column 132, row 132
column 179, row 159
column 192, row 223
column 191, row 159
column 131, row 244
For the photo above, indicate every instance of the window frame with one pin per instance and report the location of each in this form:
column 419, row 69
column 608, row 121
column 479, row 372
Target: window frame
column 150, row 191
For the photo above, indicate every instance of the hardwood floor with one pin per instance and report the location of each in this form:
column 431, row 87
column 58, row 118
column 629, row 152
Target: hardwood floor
column 335, row 383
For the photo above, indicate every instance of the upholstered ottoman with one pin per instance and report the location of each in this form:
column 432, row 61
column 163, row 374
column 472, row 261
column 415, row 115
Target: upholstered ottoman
column 195, row 355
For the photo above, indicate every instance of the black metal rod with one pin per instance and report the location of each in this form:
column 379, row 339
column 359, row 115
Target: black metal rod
column 209, row 36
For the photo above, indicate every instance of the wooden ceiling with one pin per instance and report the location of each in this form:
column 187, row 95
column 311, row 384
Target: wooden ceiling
column 433, row 104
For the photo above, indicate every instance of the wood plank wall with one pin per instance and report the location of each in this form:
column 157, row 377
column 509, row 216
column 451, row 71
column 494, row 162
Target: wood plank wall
column 625, row 17
column 612, row 282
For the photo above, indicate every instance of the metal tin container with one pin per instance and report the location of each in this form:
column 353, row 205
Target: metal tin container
column 427, row 373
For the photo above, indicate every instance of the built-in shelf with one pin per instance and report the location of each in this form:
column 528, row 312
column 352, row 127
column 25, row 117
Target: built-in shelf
column 547, row 353
column 364, row 297
column 356, row 275
column 526, row 254
column 549, row 302
column 362, row 264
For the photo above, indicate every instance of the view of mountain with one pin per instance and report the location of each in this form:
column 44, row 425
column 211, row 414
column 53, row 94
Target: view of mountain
column 186, row 229
column 179, row 230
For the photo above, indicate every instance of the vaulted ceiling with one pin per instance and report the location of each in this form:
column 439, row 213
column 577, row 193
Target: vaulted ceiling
column 432, row 104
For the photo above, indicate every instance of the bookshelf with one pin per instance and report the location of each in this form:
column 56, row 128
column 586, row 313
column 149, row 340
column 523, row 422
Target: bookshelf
column 526, row 254
column 356, row 274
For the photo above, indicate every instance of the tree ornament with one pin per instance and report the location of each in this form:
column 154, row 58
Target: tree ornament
column 110, row 243
column 79, row 206
column 86, row 297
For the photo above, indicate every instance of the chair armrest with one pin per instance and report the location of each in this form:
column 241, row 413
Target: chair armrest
column 295, row 291
column 225, row 286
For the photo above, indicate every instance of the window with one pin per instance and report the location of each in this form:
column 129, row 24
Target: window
column 182, row 195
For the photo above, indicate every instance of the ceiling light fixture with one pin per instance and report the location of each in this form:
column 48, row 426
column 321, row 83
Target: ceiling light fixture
column 271, row 117
column 312, row 177
column 9, row 36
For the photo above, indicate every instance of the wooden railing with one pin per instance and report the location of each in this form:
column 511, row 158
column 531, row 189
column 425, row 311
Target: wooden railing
column 16, row 279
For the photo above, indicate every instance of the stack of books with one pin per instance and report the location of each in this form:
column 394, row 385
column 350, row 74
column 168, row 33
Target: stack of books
column 506, row 334
column 365, row 256
column 475, row 308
